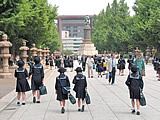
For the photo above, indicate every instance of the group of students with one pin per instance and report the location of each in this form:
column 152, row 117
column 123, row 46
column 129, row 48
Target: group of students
column 37, row 72
column 80, row 87
column 22, row 86
column 134, row 82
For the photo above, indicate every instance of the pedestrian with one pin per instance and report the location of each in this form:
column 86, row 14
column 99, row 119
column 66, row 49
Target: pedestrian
column 58, row 62
column 62, row 81
column 37, row 78
column 83, row 60
column 104, row 65
column 135, row 86
column 158, row 70
column 22, row 83
column 121, row 63
column 80, row 87
column 99, row 67
column 47, row 61
column 90, row 63
column 71, row 63
column 156, row 65
column 111, row 68
column 130, row 62
column 51, row 63
column 140, row 63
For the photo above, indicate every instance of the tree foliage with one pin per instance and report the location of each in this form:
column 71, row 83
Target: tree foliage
column 30, row 20
column 114, row 28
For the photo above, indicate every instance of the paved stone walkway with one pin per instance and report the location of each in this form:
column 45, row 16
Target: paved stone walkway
column 109, row 102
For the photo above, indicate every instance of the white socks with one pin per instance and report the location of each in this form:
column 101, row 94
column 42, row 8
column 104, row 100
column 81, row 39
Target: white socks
column 23, row 102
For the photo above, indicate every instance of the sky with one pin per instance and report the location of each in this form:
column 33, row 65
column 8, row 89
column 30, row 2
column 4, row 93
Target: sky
column 84, row 7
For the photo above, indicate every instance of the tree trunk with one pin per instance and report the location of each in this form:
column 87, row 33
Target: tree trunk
column 158, row 52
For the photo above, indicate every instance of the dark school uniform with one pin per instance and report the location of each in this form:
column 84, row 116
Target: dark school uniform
column 80, row 85
column 71, row 63
column 158, row 67
column 47, row 61
column 65, row 83
column 130, row 61
column 99, row 67
column 121, row 62
column 37, row 76
column 135, row 83
column 22, row 83
column 51, row 62
column 58, row 63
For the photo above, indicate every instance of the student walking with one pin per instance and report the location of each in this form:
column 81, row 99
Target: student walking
column 80, row 87
column 22, row 84
column 62, row 81
column 135, row 86
column 37, row 78
column 99, row 67
column 121, row 63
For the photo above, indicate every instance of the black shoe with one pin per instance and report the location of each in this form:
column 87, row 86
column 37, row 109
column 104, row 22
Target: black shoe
column 18, row 103
column 138, row 113
column 101, row 76
column 23, row 103
column 91, row 76
column 82, row 108
column 38, row 101
column 133, row 111
column 62, row 110
column 79, row 110
column 34, row 99
column 98, row 76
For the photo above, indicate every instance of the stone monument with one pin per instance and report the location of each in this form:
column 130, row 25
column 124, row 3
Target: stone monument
column 44, row 56
column 34, row 51
column 87, row 47
column 24, row 55
column 5, row 56
column 39, row 52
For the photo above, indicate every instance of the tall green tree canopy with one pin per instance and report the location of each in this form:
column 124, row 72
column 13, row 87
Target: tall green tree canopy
column 30, row 20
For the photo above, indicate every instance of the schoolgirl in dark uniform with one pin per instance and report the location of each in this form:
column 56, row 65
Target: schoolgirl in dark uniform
column 71, row 63
column 62, row 81
column 158, row 70
column 80, row 87
column 22, row 84
column 122, row 63
column 135, row 85
column 58, row 62
column 130, row 62
column 37, row 73
column 47, row 61
column 99, row 67
column 51, row 62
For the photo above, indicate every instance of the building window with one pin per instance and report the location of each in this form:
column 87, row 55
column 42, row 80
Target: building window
column 76, row 46
column 75, row 27
column 76, row 40
column 75, row 50
column 75, row 30
column 70, row 34
column 76, row 43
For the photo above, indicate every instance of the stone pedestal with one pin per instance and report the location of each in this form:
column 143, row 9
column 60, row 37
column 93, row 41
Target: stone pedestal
column 44, row 57
column 87, row 47
column 5, row 56
column 34, row 51
column 47, row 52
column 24, row 55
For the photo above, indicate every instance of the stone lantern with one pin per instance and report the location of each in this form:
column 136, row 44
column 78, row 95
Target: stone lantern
column 48, row 52
column 39, row 52
column 23, row 50
column 136, row 51
column 147, row 51
column 44, row 56
column 5, row 56
column 34, row 51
